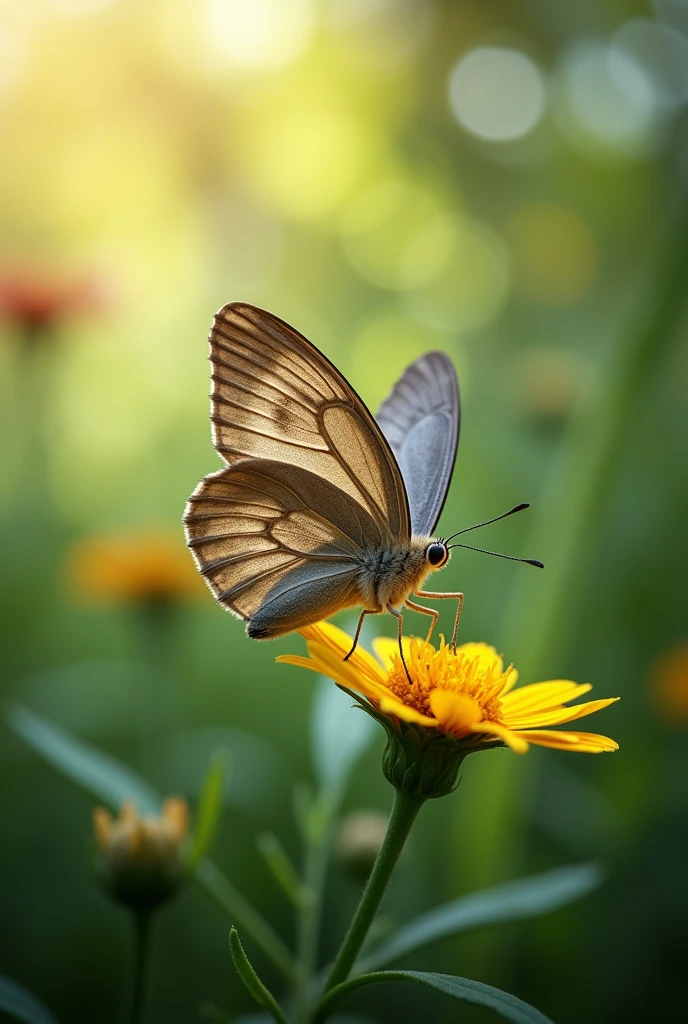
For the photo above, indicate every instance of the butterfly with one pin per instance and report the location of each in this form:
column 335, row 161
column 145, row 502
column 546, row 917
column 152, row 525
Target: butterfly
column 320, row 506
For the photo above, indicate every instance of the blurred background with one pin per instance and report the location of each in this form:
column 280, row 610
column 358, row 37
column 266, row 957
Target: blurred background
column 506, row 182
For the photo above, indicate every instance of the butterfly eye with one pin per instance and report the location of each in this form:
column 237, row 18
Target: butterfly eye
column 436, row 554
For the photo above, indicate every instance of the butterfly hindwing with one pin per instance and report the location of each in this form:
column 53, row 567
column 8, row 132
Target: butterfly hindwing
column 277, row 545
column 420, row 419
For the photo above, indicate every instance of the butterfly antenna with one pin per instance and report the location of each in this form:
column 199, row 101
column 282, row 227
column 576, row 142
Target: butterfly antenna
column 516, row 508
column 498, row 554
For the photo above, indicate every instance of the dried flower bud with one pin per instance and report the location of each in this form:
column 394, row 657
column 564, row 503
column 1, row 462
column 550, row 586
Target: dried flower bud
column 140, row 857
column 360, row 837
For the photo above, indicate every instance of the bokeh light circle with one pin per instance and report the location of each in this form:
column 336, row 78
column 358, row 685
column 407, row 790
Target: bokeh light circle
column 496, row 93
column 260, row 34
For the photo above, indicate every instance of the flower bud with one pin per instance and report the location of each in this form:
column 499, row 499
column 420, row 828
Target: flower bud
column 140, row 860
column 419, row 762
column 360, row 837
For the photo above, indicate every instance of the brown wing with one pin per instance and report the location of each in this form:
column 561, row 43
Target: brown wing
column 277, row 545
column 276, row 397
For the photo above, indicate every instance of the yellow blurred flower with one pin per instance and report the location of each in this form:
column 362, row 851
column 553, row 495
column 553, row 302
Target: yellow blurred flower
column 137, row 567
column 669, row 685
column 467, row 695
column 141, row 857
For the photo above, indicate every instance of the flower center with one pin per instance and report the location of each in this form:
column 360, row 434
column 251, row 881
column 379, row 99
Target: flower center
column 479, row 684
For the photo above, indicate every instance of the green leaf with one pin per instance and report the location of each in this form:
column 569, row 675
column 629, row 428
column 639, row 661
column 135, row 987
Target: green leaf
column 251, row 980
column 506, row 1005
column 340, row 735
column 18, row 1003
column 209, row 807
column 98, row 773
column 282, row 869
column 514, row 901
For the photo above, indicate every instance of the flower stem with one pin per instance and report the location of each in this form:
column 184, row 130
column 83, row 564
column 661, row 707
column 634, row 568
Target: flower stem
column 404, row 811
column 141, row 959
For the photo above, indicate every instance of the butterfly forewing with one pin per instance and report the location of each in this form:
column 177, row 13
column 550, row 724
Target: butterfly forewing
column 276, row 397
column 420, row 419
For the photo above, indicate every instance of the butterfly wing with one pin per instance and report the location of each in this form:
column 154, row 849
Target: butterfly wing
column 277, row 545
column 420, row 419
column 276, row 397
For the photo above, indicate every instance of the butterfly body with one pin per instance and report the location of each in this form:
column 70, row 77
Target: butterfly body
column 320, row 507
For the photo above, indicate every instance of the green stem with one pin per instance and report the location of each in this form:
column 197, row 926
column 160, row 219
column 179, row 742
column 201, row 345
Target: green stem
column 246, row 917
column 404, row 811
column 141, row 946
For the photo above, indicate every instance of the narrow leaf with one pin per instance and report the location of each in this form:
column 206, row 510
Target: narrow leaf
column 98, row 773
column 514, row 901
column 340, row 735
column 112, row 782
column 506, row 1005
column 19, row 1004
column 251, row 980
column 282, row 869
column 209, row 807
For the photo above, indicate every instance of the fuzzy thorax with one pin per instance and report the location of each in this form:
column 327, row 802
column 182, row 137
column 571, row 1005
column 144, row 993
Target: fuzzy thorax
column 391, row 575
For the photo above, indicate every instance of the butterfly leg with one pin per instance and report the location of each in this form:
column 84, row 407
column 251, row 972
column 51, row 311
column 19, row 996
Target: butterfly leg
column 425, row 611
column 366, row 611
column 441, row 597
column 400, row 624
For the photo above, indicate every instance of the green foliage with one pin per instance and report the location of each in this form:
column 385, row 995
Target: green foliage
column 251, row 980
column 514, row 901
column 98, row 773
column 209, row 807
column 282, row 869
column 19, row 1004
column 340, row 736
column 463, row 989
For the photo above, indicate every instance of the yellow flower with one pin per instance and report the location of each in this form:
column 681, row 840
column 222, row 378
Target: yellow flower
column 138, row 567
column 669, row 685
column 467, row 695
column 141, row 860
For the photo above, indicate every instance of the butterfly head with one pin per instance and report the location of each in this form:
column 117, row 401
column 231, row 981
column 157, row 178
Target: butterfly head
column 436, row 554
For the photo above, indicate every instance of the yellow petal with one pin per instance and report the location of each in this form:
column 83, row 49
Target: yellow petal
column 387, row 649
column 456, row 712
column 510, row 681
column 543, row 696
column 580, row 742
column 391, row 706
column 512, row 739
column 484, row 652
column 298, row 660
column 557, row 716
column 337, row 640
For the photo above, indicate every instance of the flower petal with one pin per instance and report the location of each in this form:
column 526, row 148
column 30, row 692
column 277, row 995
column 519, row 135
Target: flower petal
column 340, row 642
column 580, row 742
column 485, row 652
column 387, row 650
column 391, row 706
column 557, row 716
column 456, row 712
column 514, row 740
column 349, row 674
column 543, row 696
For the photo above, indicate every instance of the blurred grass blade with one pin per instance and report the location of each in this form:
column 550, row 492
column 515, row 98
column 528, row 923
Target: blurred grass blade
column 209, row 806
column 340, row 735
column 101, row 775
column 282, row 869
column 464, row 989
column 235, row 904
column 260, row 993
column 514, row 901
column 19, row 1004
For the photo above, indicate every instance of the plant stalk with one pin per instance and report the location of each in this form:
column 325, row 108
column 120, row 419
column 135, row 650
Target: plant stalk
column 141, row 959
column 404, row 811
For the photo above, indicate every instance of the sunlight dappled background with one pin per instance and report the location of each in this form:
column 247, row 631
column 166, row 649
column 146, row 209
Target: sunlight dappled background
column 505, row 182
